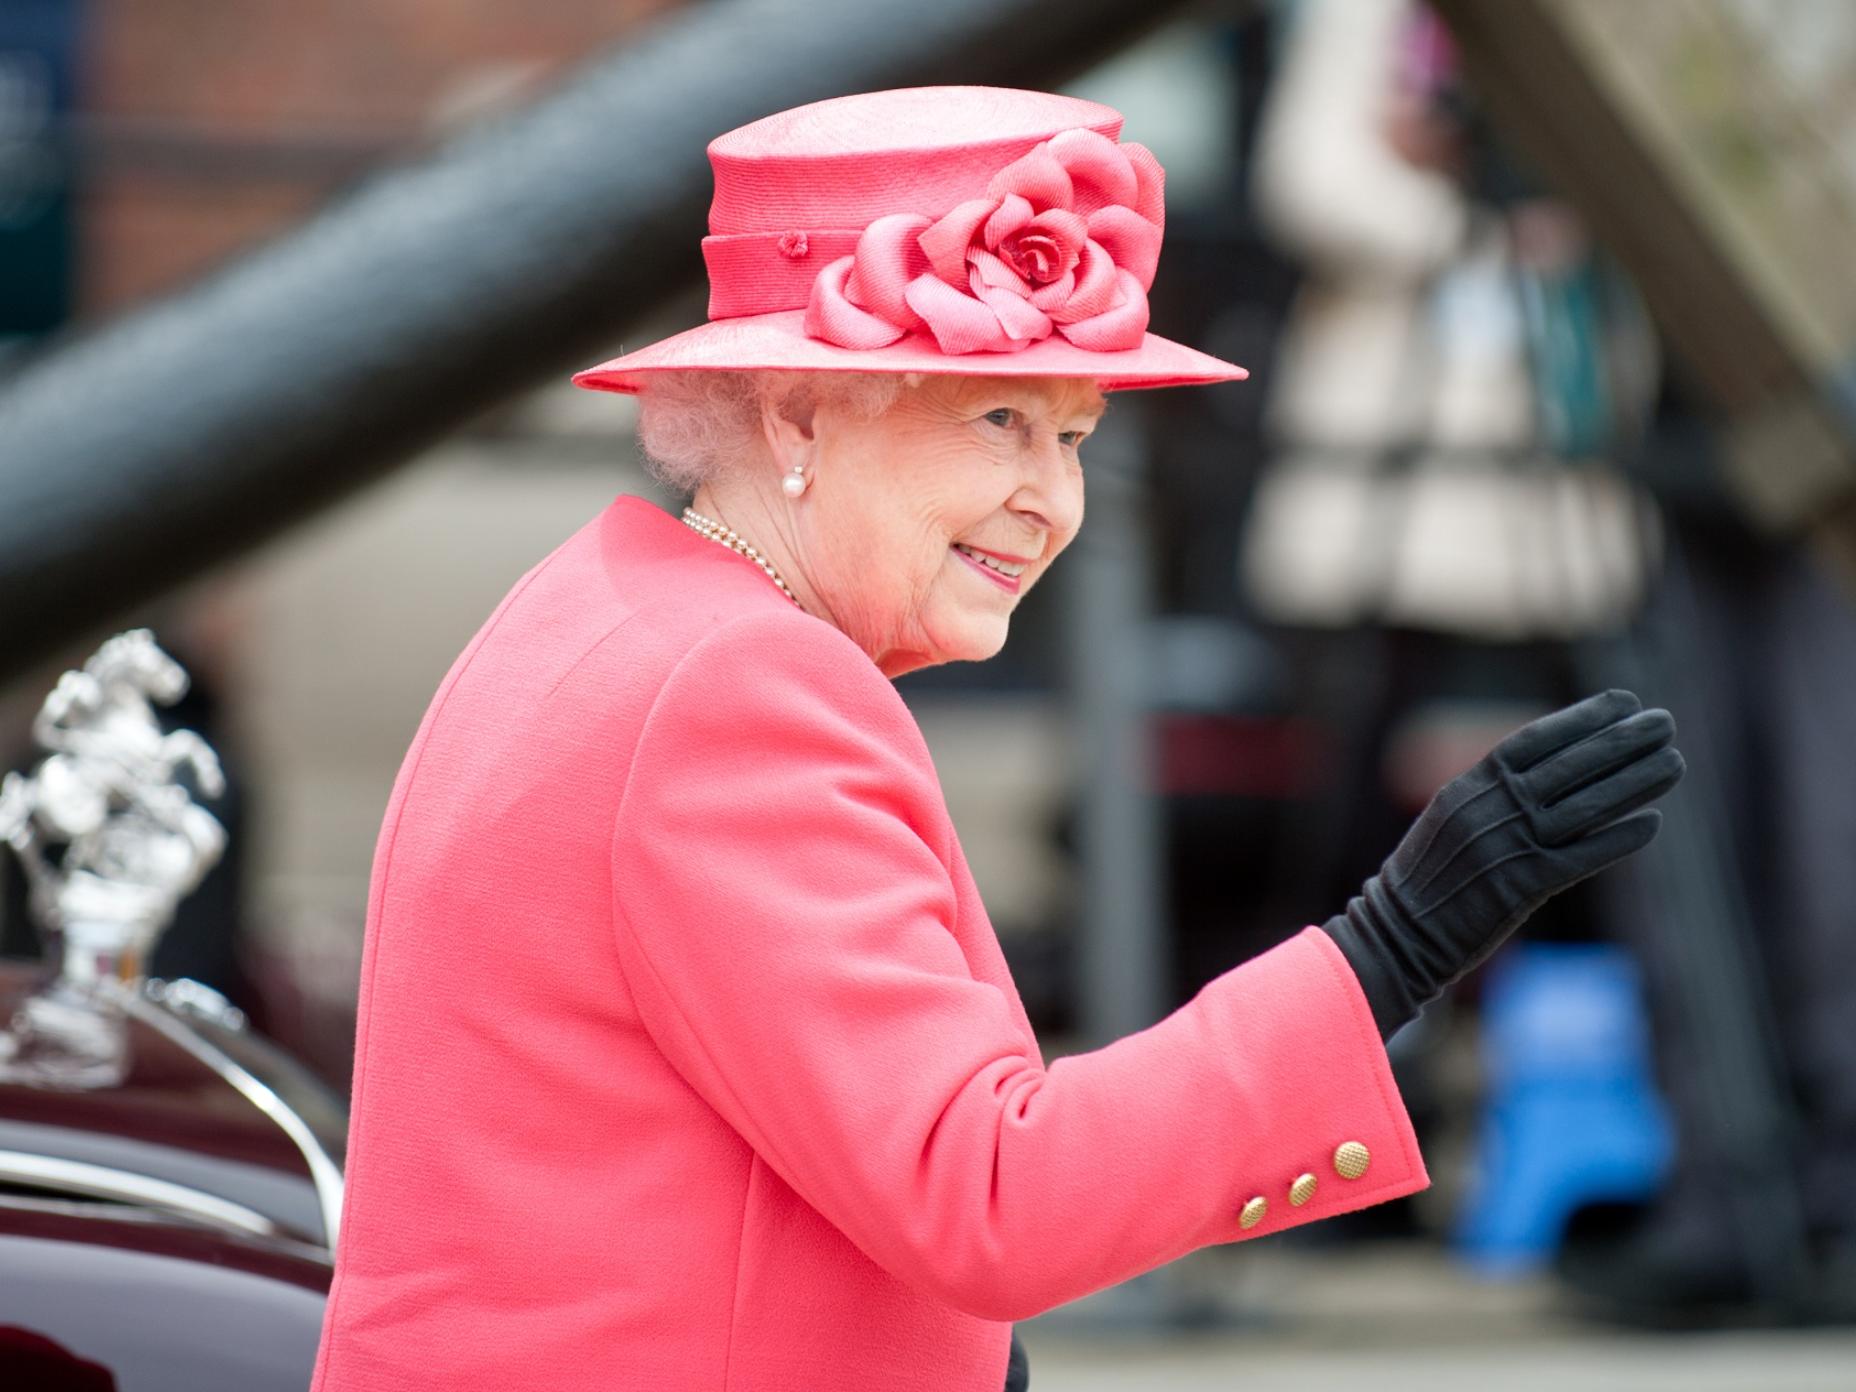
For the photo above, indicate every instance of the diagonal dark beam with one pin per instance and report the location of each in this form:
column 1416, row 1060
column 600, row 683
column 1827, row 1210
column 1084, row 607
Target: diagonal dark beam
column 154, row 447
column 1785, row 401
column 1549, row 98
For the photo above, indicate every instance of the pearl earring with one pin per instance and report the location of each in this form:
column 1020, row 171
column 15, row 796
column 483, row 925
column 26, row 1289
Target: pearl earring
column 795, row 482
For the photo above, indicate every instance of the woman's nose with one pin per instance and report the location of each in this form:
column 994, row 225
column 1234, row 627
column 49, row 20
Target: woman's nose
column 1051, row 496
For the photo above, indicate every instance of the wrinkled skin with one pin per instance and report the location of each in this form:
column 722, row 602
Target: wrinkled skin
column 991, row 462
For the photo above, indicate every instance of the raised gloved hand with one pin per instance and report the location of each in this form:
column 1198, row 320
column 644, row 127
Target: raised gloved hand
column 1551, row 804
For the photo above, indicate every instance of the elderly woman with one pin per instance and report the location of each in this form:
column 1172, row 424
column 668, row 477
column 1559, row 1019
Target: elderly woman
column 687, row 1057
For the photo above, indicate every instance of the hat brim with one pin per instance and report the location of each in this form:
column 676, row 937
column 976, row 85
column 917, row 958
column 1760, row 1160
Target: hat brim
column 778, row 342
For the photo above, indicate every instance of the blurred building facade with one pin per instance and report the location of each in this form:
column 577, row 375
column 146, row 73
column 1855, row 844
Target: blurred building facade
column 205, row 128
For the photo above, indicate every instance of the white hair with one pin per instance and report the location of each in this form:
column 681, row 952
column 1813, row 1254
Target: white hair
column 696, row 425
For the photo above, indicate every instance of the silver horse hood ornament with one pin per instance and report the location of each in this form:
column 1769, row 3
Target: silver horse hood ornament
column 110, row 840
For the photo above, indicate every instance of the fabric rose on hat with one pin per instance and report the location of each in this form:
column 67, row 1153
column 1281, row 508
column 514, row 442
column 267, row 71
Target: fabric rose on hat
column 1066, row 240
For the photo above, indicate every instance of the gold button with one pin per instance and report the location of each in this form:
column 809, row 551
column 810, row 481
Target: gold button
column 1253, row 1212
column 1302, row 1190
column 1351, row 1159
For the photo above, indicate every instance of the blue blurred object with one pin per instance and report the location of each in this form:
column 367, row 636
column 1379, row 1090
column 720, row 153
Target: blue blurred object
column 41, row 46
column 1572, row 1114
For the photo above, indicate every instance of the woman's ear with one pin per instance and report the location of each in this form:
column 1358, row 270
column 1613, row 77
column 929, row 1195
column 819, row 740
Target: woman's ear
column 787, row 427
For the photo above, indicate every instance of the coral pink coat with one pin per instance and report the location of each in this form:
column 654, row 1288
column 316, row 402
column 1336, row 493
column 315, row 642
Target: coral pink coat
column 688, row 1059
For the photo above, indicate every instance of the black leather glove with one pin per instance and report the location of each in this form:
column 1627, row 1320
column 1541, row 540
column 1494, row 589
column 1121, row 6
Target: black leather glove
column 1551, row 804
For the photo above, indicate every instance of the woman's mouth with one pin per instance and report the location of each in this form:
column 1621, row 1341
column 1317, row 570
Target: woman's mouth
column 1004, row 574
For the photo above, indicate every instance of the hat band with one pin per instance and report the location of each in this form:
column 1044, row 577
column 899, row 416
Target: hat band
column 1064, row 240
column 764, row 272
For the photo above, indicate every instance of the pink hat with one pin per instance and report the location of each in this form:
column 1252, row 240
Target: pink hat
column 980, row 230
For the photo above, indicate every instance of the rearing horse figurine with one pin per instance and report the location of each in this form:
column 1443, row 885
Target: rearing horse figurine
column 134, row 840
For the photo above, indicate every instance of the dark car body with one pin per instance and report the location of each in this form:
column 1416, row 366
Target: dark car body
column 175, row 1230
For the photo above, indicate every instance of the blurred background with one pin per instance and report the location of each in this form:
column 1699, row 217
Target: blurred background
column 1550, row 311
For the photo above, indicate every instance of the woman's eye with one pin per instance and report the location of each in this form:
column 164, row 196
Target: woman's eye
column 1004, row 416
column 1073, row 438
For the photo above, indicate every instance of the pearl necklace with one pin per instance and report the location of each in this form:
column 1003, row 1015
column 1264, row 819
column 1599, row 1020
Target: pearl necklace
column 715, row 531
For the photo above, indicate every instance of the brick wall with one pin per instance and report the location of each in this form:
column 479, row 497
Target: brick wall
column 211, row 125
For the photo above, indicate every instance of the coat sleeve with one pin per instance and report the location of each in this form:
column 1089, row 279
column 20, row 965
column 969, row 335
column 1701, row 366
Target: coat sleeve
column 784, row 910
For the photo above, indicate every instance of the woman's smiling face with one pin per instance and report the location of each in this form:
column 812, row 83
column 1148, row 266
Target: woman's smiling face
column 901, row 508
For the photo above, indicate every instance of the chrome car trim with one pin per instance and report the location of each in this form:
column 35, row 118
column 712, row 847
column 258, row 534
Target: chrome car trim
column 100, row 1181
column 323, row 1170
column 185, row 996
column 90, row 1209
column 286, row 1196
